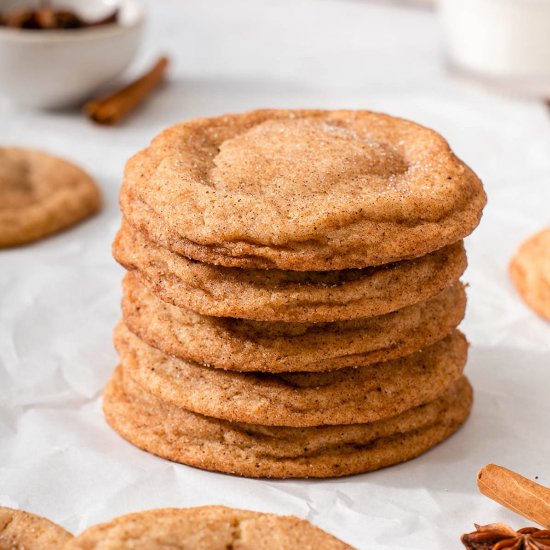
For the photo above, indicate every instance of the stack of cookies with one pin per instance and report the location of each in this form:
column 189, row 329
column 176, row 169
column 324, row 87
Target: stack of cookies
column 293, row 293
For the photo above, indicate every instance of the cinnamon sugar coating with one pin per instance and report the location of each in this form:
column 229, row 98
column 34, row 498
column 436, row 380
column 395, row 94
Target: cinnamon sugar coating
column 290, row 296
column 242, row 345
column 346, row 396
column 301, row 190
column 275, row 452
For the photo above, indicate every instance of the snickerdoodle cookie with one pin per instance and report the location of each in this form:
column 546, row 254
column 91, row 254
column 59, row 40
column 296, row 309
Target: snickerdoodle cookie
column 301, row 190
column 280, row 452
column 345, row 396
column 530, row 271
column 242, row 345
column 24, row 531
column 290, row 296
column 205, row 528
column 40, row 195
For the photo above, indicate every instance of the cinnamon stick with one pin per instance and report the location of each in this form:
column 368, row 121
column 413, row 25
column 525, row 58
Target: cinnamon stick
column 113, row 108
column 515, row 492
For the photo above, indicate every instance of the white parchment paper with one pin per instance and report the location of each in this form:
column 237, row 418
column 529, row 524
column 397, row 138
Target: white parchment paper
column 59, row 299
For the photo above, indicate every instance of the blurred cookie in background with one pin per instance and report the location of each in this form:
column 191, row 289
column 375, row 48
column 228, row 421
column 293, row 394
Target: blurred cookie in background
column 25, row 531
column 205, row 528
column 41, row 194
column 530, row 272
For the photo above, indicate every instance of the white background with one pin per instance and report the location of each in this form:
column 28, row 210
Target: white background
column 59, row 299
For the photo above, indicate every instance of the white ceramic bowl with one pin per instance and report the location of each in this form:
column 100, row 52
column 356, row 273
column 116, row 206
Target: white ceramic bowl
column 60, row 68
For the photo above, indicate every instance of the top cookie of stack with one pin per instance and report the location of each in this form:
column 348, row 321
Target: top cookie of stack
column 293, row 242
column 301, row 190
column 307, row 191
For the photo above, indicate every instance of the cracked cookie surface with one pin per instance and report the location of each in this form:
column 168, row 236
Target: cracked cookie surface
column 301, row 190
column 205, row 528
column 40, row 195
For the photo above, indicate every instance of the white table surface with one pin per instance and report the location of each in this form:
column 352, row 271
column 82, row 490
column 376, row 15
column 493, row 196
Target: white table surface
column 59, row 299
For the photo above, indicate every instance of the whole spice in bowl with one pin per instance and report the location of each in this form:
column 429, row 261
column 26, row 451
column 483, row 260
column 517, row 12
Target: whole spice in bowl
column 54, row 57
column 46, row 17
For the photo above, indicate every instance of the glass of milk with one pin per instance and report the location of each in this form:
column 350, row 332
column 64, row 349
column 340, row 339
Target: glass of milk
column 503, row 42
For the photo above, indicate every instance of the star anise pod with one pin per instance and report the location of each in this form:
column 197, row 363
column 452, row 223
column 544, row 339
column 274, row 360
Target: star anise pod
column 497, row 536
